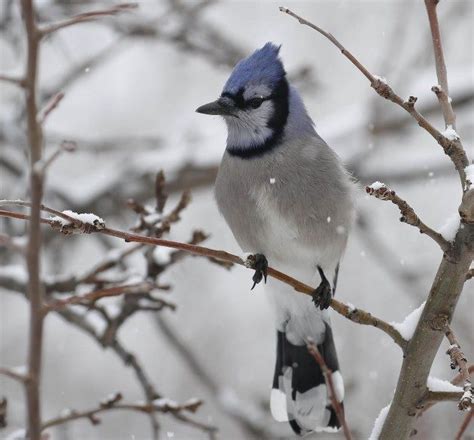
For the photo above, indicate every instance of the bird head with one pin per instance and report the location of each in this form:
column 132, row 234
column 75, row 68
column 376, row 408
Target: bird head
column 254, row 102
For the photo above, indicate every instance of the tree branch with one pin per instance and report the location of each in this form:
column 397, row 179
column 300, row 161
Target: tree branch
column 458, row 359
column 85, row 17
column 112, row 403
column 443, row 396
column 442, row 91
column 35, row 289
column 383, row 192
column 465, row 423
column 20, row 82
column 356, row 315
column 451, row 147
column 327, row 373
column 50, row 106
column 9, row 372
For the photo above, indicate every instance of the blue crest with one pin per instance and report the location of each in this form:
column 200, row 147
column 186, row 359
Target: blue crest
column 262, row 67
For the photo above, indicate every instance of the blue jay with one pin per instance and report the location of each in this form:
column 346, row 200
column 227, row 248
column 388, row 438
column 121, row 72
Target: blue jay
column 289, row 201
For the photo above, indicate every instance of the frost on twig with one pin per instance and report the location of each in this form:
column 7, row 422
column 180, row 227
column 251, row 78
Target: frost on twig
column 383, row 192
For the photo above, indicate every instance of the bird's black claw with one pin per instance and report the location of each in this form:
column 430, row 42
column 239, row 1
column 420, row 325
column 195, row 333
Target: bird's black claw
column 260, row 263
column 322, row 295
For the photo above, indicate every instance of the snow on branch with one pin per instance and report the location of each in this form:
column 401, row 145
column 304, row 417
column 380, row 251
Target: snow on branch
column 453, row 148
column 383, row 192
column 354, row 314
column 458, row 360
column 408, row 326
column 114, row 402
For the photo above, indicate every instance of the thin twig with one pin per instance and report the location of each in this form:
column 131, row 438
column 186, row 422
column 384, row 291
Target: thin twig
column 20, row 82
column 452, row 148
column 50, row 106
column 64, row 146
column 383, row 192
column 85, row 17
column 465, row 423
column 327, row 373
column 112, row 404
column 458, row 359
column 354, row 314
column 442, row 92
column 94, row 296
column 13, row 374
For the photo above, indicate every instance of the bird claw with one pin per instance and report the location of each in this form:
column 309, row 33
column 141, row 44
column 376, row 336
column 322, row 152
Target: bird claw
column 322, row 295
column 260, row 263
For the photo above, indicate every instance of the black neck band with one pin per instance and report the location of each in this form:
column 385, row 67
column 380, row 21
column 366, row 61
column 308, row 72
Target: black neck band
column 276, row 123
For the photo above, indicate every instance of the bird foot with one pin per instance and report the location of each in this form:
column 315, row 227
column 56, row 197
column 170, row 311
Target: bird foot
column 322, row 295
column 259, row 263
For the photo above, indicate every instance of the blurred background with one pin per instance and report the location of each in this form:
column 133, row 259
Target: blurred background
column 131, row 84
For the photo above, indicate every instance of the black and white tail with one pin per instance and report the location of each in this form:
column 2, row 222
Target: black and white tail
column 299, row 395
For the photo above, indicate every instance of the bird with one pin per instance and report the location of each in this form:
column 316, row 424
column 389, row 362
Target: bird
column 289, row 202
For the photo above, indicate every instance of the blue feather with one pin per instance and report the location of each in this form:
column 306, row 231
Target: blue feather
column 262, row 67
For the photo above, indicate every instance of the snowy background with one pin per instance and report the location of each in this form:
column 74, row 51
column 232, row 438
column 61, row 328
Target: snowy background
column 132, row 83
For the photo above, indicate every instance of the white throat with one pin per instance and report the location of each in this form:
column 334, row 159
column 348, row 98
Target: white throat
column 250, row 128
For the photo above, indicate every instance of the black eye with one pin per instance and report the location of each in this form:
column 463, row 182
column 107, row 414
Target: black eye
column 255, row 102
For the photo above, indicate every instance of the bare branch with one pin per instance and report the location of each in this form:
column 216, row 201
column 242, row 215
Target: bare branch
column 327, row 373
column 442, row 91
column 20, row 82
column 452, row 148
column 9, row 372
column 443, row 396
column 383, row 192
column 458, row 359
column 50, row 106
column 85, row 17
column 92, row 297
column 467, row 419
column 64, row 146
column 112, row 403
column 35, row 289
column 356, row 315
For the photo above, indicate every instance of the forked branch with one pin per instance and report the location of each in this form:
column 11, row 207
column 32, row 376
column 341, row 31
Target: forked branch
column 453, row 148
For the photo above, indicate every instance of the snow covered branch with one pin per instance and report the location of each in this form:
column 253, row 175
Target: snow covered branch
column 383, row 192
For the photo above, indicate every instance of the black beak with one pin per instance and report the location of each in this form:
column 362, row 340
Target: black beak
column 222, row 106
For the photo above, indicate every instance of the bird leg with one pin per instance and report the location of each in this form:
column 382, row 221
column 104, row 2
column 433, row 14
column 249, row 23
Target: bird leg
column 259, row 263
column 323, row 293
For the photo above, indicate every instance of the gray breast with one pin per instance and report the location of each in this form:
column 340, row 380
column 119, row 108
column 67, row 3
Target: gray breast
column 294, row 202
